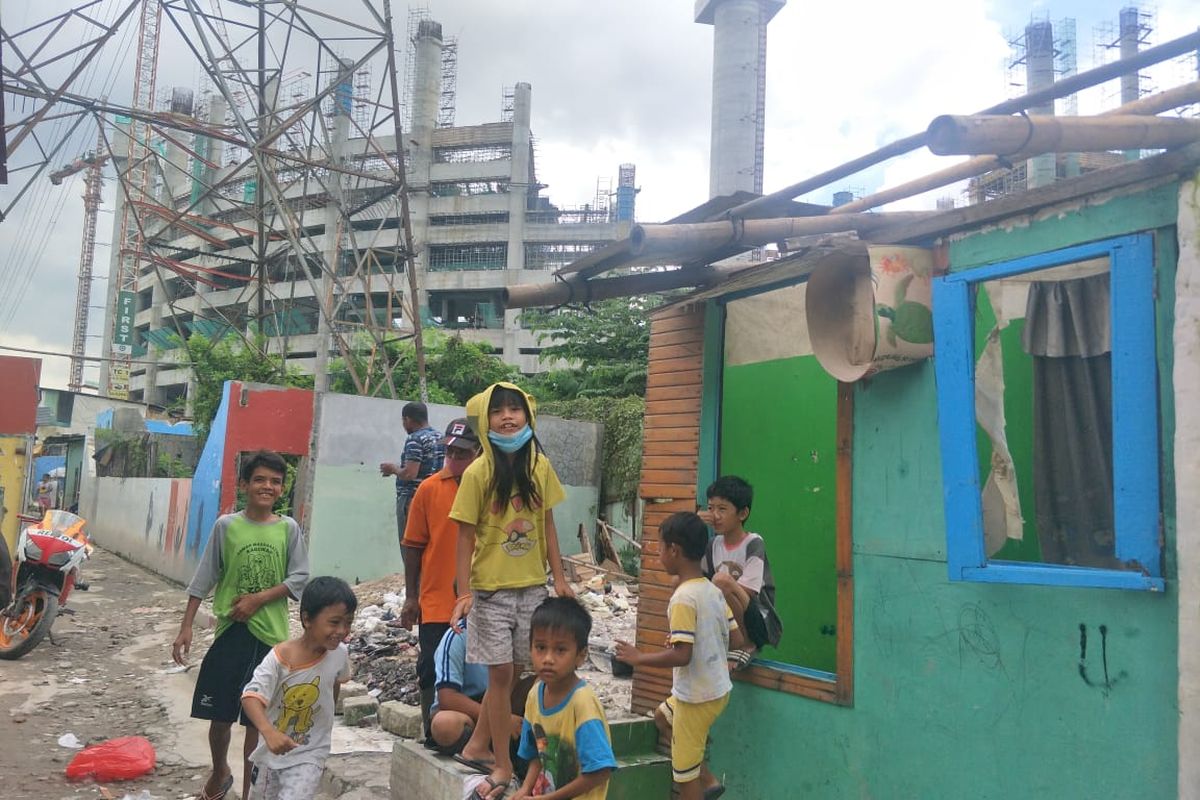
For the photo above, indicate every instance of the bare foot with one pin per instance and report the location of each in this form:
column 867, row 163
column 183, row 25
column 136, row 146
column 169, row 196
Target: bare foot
column 483, row 755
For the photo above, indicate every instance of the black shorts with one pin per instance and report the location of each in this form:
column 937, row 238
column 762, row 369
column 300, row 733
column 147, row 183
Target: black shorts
column 225, row 671
column 429, row 636
column 756, row 626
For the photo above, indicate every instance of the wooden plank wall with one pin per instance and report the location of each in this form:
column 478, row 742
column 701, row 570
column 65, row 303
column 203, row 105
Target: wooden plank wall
column 670, row 455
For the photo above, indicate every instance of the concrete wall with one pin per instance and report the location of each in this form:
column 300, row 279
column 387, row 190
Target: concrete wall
column 352, row 516
column 144, row 520
column 13, row 455
column 970, row 689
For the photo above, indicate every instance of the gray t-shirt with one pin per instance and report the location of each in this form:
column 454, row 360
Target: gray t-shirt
column 299, row 699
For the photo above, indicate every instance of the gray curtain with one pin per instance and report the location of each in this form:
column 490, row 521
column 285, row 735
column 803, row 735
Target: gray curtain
column 1067, row 332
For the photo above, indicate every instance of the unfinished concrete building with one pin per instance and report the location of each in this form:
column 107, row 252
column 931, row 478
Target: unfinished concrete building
column 478, row 220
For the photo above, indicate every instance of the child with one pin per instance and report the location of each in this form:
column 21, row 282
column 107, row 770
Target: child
column 702, row 627
column 255, row 559
column 565, row 736
column 736, row 562
column 506, row 537
column 297, row 685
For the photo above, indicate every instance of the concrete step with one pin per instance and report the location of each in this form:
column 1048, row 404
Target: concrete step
column 642, row 772
column 356, row 776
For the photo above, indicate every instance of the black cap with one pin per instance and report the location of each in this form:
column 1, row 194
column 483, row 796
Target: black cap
column 459, row 434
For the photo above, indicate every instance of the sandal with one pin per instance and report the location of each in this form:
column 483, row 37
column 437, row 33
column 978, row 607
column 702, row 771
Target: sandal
column 493, row 785
column 476, row 764
column 714, row 791
column 225, row 787
column 738, row 661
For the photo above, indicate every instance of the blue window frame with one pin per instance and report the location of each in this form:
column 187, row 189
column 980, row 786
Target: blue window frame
column 1135, row 433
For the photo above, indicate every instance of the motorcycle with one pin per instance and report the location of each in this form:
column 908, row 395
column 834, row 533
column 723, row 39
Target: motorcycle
column 45, row 571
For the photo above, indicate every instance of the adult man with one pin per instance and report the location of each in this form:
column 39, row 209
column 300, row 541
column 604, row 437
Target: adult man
column 430, row 544
column 423, row 455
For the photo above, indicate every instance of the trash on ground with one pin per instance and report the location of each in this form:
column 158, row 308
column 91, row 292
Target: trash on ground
column 115, row 760
column 70, row 741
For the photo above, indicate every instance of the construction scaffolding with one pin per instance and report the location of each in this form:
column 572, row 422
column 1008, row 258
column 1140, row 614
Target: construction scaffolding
column 218, row 201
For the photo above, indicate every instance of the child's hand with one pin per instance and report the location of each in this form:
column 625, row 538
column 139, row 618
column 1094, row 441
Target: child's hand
column 279, row 742
column 564, row 590
column 628, row 653
column 521, row 794
column 244, row 607
column 705, row 516
column 461, row 609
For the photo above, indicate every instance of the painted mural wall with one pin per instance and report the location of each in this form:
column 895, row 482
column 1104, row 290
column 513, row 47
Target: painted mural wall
column 969, row 689
column 143, row 520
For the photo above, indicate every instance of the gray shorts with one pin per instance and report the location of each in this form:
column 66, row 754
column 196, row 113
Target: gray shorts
column 402, row 504
column 297, row 782
column 498, row 625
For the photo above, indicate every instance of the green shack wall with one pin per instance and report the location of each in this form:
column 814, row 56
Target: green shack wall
column 968, row 689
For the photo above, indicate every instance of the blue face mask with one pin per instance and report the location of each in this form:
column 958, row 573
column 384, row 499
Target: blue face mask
column 513, row 442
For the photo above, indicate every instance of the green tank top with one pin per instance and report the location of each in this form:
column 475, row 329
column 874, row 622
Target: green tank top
column 254, row 557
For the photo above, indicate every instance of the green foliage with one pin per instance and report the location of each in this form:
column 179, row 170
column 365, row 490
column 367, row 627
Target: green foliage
column 622, row 458
column 170, row 466
column 606, row 346
column 231, row 360
column 454, row 369
column 631, row 560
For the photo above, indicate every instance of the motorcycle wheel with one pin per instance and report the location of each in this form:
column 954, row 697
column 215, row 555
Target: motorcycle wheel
column 23, row 631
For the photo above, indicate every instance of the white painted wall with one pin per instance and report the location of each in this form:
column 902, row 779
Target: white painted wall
column 1187, row 479
column 132, row 517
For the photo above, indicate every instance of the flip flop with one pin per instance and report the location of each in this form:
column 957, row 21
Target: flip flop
column 492, row 787
column 484, row 767
column 225, row 787
column 740, row 660
column 714, row 791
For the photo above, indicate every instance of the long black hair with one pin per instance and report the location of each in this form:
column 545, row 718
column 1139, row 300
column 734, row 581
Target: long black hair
column 515, row 476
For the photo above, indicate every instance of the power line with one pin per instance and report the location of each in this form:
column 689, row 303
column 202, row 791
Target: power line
column 34, row 352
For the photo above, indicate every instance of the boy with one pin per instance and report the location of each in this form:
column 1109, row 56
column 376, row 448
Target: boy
column 702, row 627
column 736, row 563
column 255, row 560
column 297, row 686
column 456, row 708
column 565, row 735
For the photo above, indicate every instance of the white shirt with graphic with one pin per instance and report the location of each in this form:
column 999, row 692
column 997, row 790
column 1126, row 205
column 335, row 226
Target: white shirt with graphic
column 299, row 701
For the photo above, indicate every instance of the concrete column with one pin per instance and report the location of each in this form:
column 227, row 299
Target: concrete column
column 1130, row 33
column 158, row 301
column 427, row 92
column 1039, row 71
column 519, row 189
column 333, row 225
column 739, row 91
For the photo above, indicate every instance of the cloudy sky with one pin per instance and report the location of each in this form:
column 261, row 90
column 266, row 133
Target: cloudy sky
column 629, row 81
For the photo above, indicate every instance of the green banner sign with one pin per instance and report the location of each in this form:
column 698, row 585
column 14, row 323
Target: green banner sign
column 122, row 341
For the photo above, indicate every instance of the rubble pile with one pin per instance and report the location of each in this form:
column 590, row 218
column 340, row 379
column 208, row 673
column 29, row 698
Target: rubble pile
column 613, row 606
column 384, row 654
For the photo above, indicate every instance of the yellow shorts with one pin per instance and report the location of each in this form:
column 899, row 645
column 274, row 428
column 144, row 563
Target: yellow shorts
column 690, row 723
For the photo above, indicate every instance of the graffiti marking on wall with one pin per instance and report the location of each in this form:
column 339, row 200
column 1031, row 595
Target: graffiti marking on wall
column 1106, row 685
column 977, row 635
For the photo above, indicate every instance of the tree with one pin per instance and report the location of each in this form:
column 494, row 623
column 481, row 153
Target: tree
column 229, row 359
column 454, row 369
column 606, row 345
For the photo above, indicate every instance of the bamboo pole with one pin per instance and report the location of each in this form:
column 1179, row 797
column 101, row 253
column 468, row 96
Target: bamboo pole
column 577, row 290
column 1025, row 137
column 1154, row 104
column 696, row 240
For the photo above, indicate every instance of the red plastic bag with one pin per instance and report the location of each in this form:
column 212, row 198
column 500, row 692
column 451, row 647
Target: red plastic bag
column 114, row 760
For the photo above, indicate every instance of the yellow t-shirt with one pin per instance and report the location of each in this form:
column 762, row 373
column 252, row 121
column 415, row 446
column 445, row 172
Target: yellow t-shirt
column 698, row 615
column 510, row 540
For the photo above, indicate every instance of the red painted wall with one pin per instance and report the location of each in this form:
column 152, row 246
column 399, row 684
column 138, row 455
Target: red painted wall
column 19, row 379
column 263, row 418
